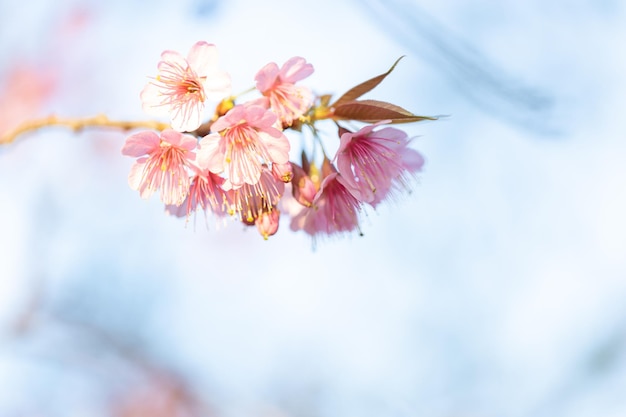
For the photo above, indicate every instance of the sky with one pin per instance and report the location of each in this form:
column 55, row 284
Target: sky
column 495, row 288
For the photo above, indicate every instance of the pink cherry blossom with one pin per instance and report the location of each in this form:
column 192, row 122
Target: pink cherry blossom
column 243, row 140
column 182, row 86
column 163, row 163
column 372, row 162
column 205, row 192
column 250, row 201
column 287, row 100
column 334, row 210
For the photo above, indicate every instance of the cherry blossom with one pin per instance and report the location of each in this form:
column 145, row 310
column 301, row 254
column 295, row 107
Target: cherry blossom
column 372, row 161
column 243, row 141
column 287, row 100
column 205, row 192
column 163, row 163
column 334, row 210
column 182, row 86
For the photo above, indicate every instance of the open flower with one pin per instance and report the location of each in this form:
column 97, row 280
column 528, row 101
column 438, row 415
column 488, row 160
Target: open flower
column 287, row 100
column 163, row 163
column 183, row 85
column 250, row 201
column 334, row 210
column 372, row 162
column 205, row 192
column 242, row 142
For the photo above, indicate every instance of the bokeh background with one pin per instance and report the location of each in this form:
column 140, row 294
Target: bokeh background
column 497, row 288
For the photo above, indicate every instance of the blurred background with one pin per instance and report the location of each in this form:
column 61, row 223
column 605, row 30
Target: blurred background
column 497, row 288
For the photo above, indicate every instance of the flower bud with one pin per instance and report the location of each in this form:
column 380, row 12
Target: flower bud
column 304, row 189
column 224, row 106
column 267, row 223
column 282, row 172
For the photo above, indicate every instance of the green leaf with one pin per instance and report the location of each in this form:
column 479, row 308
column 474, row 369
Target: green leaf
column 364, row 87
column 372, row 111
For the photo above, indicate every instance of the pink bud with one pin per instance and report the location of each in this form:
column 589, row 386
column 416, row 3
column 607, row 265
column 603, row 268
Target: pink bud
column 282, row 172
column 303, row 187
column 267, row 223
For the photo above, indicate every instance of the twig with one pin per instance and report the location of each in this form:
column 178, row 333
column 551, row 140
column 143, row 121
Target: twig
column 99, row 121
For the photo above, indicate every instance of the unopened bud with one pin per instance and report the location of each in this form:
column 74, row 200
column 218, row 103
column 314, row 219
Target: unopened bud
column 303, row 187
column 267, row 223
column 223, row 107
column 282, row 172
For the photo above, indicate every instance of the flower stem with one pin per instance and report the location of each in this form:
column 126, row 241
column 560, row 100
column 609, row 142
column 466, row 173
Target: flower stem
column 78, row 124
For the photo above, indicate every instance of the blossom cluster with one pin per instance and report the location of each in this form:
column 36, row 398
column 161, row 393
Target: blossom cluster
column 237, row 162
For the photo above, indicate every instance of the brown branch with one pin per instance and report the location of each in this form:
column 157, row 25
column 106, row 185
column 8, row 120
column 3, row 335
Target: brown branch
column 100, row 121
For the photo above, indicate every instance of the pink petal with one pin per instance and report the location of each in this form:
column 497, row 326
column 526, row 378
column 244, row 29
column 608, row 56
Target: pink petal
column 344, row 166
column 231, row 118
column 135, row 179
column 179, row 140
column 277, row 147
column 152, row 100
column 295, row 69
column 412, row 160
column 209, row 155
column 141, row 143
column 259, row 117
column 217, row 85
column 266, row 77
column 188, row 118
column 172, row 58
column 203, row 58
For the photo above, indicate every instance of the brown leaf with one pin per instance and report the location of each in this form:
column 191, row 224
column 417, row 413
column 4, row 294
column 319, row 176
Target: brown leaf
column 372, row 111
column 359, row 90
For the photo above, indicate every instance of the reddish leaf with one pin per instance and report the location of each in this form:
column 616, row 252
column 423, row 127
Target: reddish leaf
column 364, row 87
column 372, row 111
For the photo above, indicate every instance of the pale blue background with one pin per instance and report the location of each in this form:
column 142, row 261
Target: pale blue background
column 497, row 288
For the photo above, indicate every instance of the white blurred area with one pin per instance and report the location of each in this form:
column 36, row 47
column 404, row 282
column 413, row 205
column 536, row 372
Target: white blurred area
column 497, row 288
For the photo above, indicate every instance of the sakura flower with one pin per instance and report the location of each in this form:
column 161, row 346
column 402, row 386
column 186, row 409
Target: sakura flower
column 250, row 201
column 205, row 192
column 183, row 85
column 163, row 162
column 372, row 161
column 243, row 141
column 287, row 100
column 334, row 210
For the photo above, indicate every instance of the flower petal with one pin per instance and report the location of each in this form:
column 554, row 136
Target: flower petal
column 266, row 77
column 209, row 155
column 172, row 58
column 277, row 147
column 295, row 69
column 412, row 160
column 217, row 85
column 187, row 117
column 141, row 143
column 179, row 140
column 135, row 179
column 152, row 100
column 203, row 58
